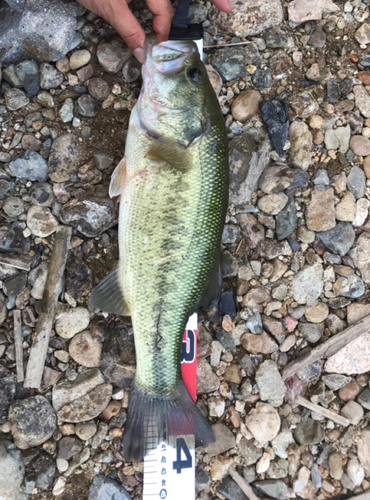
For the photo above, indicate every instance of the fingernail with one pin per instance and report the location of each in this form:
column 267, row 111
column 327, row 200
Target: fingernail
column 139, row 54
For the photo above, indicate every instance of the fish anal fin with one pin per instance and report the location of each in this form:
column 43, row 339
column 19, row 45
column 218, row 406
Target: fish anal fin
column 108, row 296
column 118, row 179
column 167, row 150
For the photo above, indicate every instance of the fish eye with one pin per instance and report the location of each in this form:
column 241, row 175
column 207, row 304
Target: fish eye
column 195, row 74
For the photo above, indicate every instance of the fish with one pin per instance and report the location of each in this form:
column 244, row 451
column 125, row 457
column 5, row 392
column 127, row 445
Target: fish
column 173, row 189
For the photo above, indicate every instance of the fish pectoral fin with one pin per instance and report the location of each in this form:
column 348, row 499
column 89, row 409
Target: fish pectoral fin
column 167, row 150
column 108, row 296
column 213, row 291
column 118, row 179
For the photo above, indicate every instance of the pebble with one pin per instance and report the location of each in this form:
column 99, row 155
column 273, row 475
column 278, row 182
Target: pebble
column 50, row 77
column 362, row 100
column 263, row 422
column 349, row 392
column 71, row 322
column 304, row 104
column 13, row 206
column 229, row 489
column 362, row 212
column 338, row 139
column 276, row 179
column 131, row 70
column 307, row 284
column 339, row 239
column 364, row 399
column 272, row 203
column 37, row 279
column 85, row 349
column 225, row 440
column 352, row 286
column 355, row 471
column 41, row 222
column 335, row 382
column 310, row 432
column 28, row 73
column 15, row 99
column 87, row 105
column 104, row 488
column 317, row 313
column 112, row 55
column 230, row 62
column 69, row 446
column 66, row 111
column 363, row 450
column 86, row 430
column 321, row 178
column 262, row 78
column 41, row 194
column 246, row 105
column 360, row 145
column 98, row 88
column 301, row 144
column 320, row 210
column 362, row 35
column 335, row 466
column 79, row 58
column 65, row 158
column 361, row 256
column 276, row 118
column 353, row 358
column 29, row 166
column 356, row 182
column 207, row 380
column 345, row 210
column 281, row 443
column 32, row 421
column 300, row 12
column 270, row 384
column 311, row 332
column 12, row 471
column 63, row 65
column 7, row 389
column 353, row 412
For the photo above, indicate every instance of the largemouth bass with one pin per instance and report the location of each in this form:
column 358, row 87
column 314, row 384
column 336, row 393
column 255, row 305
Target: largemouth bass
column 173, row 185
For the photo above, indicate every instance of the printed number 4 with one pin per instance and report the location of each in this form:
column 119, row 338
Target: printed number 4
column 179, row 463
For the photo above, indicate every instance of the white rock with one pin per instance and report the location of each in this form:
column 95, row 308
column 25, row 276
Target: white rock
column 353, row 358
column 72, row 322
column 263, row 422
column 41, row 222
column 355, row 471
column 308, row 284
column 362, row 211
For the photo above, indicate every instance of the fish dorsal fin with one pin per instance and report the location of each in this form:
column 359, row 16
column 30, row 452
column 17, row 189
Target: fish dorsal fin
column 166, row 149
column 108, row 296
column 118, row 179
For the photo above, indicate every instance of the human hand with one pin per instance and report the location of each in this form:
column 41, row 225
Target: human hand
column 118, row 14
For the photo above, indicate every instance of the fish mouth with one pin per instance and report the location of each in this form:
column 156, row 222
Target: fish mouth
column 167, row 57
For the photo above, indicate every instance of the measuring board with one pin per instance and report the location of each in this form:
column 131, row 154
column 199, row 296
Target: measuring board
column 169, row 469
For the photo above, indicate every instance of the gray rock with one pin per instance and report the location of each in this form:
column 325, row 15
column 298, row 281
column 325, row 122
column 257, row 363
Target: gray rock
column 132, row 69
column 13, row 206
column 37, row 279
column 351, row 286
column 69, row 446
column 15, row 99
column 270, row 384
column 13, row 240
column 249, row 451
column 230, row 62
column 301, row 179
column 98, row 88
column 113, row 55
column 353, row 412
column 356, row 182
column 32, row 421
column 42, row 194
column 225, row 440
column 41, row 221
column 43, row 31
column 364, row 398
column 281, row 443
column 286, row 220
column 14, row 285
column 335, row 381
column 310, row 372
column 66, row 111
column 362, row 100
column 10, row 76
column 310, row 432
column 230, row 490
column 105, row 488
column 276, row 179
column 339, row 239
column 7, row 394
column 87, row 105
column 308, row 284
column 262, row 78
column 321, row 177
column 254, row 323
column 12, row 472
column 300, row 145
column 66, row 156
column 207, row 380
column 303, row 104
column 29, row 76
column 312, row 332
column 50, row 77
column 273, row 488
column 361, row 256
column 30, row 166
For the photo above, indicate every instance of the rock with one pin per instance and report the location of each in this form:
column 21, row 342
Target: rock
column 15, row 99
column 345, row 210
column 28, row 73
column 274, row 327
column 272, row 203
column 246, row 105
column 79, row 58
column 303, row 104
column 339, row 239
column 71, row 322
column 286, row 220
column 104, row 488
column 69, row 446
column 230, row 490
column 9, row 75
column 276, row 117
column 13, row 206
column 85, row 350
column 249, row 451
column 362, row 100
column 42, row 194
column 335, row 466
column 87, row 106
column 14, row 285
column 112, row 55
column 82, row 399
column 66, row 111
column 66, row 156
column 270, row 384
column 362, row 212
column 207, row 380
column 353, row 412
column 7, row 393
column 37, row 278
column 338, row 139
column 252, row 343
column 41, row 222
column 281, row 443
column 349, row 392
column 363, row 450
column 131, row 70
column 308, row 284
column 86, row 430
column 320, row 210
column 274, row 488
column 360, row 145
column 90, row 215
column 335, row 382
column 230, row 62
column 353, row 358
column 29, row 166
column 262, row 78
column 249, row 156
column 317, row 313
column 355, row 312
column 12, row 467
column 98, row 88
column 300, row 145
column 312, row 332
column 362, row 35
column 355, row 472
column 300, row 12
column 352, row 286
column 263, row 422
column 225, row 440
column 361, row 256
column 248, row 20
column 251, row 229
column 50, row 77
column 32, row 421
column 364, row 399
column 310, row 432
column 276, row 179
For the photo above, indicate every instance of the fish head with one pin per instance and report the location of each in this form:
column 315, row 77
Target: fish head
column 176, row 91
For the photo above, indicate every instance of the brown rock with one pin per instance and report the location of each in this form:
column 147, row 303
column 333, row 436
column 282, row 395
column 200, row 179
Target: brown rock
column 224, row 440
column 232, row 374
column 274, row 327
column 366, row 166
column 349, row 392
column 88, row 406
column 355, row 312
column 246, row 105
column 317, row 313
column 256, row 298
column 85, row 349
column 320, row 210
column 112, row 409
column 364, row 76
column 361, row 256
column 252, row 343
column 360, row 145
column 363, row 450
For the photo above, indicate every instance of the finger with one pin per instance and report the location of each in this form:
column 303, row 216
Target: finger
column 123, row 20
column 162, row 17
column 223, row 5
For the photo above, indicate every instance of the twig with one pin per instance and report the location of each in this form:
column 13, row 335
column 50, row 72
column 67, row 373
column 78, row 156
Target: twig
column 17, row 334
column 23, row 263
column 225, row 45
column 338, row 419
column 329, row 347
column 243, row 485
column 53, row 287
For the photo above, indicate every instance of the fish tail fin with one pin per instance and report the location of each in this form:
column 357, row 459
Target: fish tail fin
column 151, row 419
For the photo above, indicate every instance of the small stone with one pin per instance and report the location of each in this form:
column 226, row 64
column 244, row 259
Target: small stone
column 207, row 380
column 79, row 58
column 252, row 343
column 353, row 358
column 7, row 391
column 262, row 78
column 317, row 313
column 276, row 117
column 229, row 489
column 29, row 166
column 310, row 432
column 312, row 332
column 85, row 349
column 352, row 286
column 300, row 145
column 225, row 440
column 71, row 322
column 50, row 77
column 104, row 488
column 112, row 55
column 12, row 471
column 335, row 466
column 28, row 73
column 362, row 212
column 98, row 88
column 86, row 430
column 41, row 221
column 274, row 488
column 62, row 464
column 360, row 145
column 335, row 382
column 276, row 179
column 63, row 65
column 263, row 422
column 66, row 111
column 42, row 194
column 320, row 210
column 308, row 284
column 300, row 12
column 112, row 409
column 338, row 239
column 338, row 139
column 270, row 384
column 246, row 105
column 131, row 70
column 355, row 312
column 362, row 35
column 363, row 450
column 288, row 343
column 353, row 412
column 15, row 99
column 216, row 406
column 345, row 210
column 37, row 278
column 65, row 157
column 355, row 471
column 361, row 256
column 364, row 399
column 349, row 392
column 87, row 106
column 321, row 178
column 304, row 104
column 356, row 181
column 13, row 206
column 32, row 421
column 272, row 203
column 281, row 443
